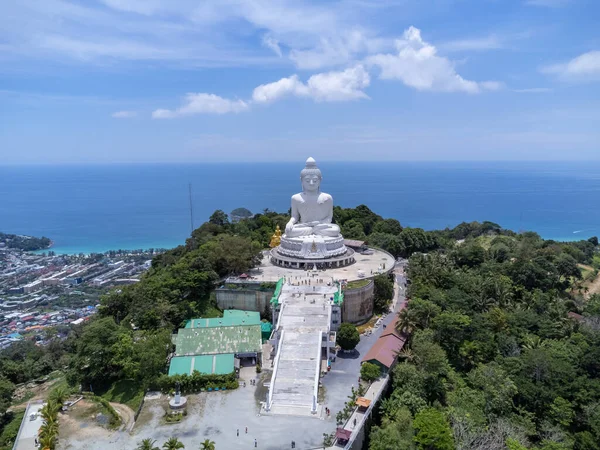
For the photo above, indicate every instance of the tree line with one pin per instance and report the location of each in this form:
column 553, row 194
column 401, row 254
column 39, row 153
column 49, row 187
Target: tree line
column 501, row 353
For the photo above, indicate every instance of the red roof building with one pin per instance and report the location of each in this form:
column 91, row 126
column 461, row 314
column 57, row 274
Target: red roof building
column 385, row 351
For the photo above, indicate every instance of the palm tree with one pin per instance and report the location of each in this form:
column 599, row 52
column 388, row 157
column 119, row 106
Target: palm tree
column 48, row 434
column 47, row 442
column 207, row 445
column 147, row 444
column 405, row 323
column 173, row 444
column 50, row 410
column 59, row 395
column 406, row 354
column 533, row 342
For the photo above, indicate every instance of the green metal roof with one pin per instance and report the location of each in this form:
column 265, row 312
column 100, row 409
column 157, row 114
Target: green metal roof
column 277, row 293
column 231, row 318
column 210, row 364
column 338, row 297
column 202, row 341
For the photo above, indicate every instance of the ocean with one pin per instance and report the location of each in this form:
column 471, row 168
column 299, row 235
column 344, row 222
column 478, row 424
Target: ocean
column 98, row 208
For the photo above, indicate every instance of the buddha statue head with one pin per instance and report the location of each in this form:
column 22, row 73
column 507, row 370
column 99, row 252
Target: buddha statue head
column 311, row 176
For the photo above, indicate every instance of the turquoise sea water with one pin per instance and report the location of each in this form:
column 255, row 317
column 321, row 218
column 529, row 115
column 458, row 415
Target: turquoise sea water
column 97, row 208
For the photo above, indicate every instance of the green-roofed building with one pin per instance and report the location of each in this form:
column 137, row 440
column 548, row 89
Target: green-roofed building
column 242, row 340
column 231, row 318
column 213, row 345
column 208, row 364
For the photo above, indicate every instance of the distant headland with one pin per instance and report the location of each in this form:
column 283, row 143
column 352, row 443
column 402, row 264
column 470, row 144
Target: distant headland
column 24, row 242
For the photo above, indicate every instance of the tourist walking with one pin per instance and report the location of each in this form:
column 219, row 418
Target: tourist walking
column 255, row 443
column 237, row 432
column 246, row 430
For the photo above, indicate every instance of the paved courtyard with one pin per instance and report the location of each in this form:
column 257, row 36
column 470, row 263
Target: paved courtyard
column 368, row 264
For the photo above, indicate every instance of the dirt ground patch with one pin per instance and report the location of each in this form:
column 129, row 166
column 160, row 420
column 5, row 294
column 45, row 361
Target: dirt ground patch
column 593, row 288
column 127, row 415
column 80, row 424
column 33, row 391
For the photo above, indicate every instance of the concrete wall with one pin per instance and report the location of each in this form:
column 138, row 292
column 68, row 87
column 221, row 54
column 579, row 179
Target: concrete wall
column 358, row 304
column 246, row 299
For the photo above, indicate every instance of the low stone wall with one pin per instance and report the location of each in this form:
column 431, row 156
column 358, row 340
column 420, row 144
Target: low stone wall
column 358, row 304
column 245, row 299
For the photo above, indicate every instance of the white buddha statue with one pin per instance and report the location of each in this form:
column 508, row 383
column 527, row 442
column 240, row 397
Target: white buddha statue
column 312, row 210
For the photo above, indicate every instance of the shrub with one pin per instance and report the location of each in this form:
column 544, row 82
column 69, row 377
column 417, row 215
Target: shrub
column 195, row 382
column 369, row 371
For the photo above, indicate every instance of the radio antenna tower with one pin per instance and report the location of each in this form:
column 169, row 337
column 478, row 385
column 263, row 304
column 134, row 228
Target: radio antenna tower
column 191, row 207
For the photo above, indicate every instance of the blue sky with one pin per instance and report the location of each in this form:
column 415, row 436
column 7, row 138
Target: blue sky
column 119, row 81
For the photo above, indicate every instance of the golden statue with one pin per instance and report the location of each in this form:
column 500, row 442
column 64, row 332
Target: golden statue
column 276, row 238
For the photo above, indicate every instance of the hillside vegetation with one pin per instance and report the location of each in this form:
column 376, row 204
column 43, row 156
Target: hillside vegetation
column 494, row 360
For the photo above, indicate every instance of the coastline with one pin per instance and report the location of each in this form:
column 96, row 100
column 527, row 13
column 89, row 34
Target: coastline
column 103, row 248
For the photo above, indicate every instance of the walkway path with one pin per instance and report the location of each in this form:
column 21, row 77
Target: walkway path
column 305, row 316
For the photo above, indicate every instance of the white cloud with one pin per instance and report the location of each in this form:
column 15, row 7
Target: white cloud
column 273, row 44
column 322, row 87
column 339, row 86
column 585, row 67
column 418, row 65
column 327, row 87
column 202, row 103
column 270, row 92
column 124, row 114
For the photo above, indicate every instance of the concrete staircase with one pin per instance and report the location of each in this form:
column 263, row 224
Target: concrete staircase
column 305, row 316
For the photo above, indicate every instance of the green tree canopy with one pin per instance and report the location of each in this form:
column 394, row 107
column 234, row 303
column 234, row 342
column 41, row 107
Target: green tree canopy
column 383, row 292
column 433, row 430
column 369, row 371
column 219, row 218
column 347, row 336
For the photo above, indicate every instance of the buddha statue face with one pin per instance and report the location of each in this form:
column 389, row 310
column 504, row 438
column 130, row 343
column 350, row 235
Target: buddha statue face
column 310, row 176
column 311, row 182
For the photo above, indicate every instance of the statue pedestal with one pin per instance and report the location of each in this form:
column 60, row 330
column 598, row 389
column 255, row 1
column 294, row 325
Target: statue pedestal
column 306, row 252
column 178, row 402
column 312, row 246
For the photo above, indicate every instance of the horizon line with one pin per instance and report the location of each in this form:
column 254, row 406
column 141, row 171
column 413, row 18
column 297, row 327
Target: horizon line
column 292, row 161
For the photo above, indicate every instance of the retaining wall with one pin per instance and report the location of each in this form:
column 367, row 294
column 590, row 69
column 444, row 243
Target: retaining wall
column 245, row 299
column 358, row 304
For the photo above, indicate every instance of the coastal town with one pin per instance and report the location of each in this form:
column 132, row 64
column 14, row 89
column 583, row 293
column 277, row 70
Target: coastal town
column 41, row 290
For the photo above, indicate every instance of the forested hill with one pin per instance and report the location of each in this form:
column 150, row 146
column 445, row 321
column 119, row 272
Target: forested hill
column 504, row 347
column 493, row 358
column 25, row 243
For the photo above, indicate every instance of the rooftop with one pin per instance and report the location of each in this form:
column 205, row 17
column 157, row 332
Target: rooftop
column 231, row 318
column 223, row 339
column 211, row 364
column 385, row 350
